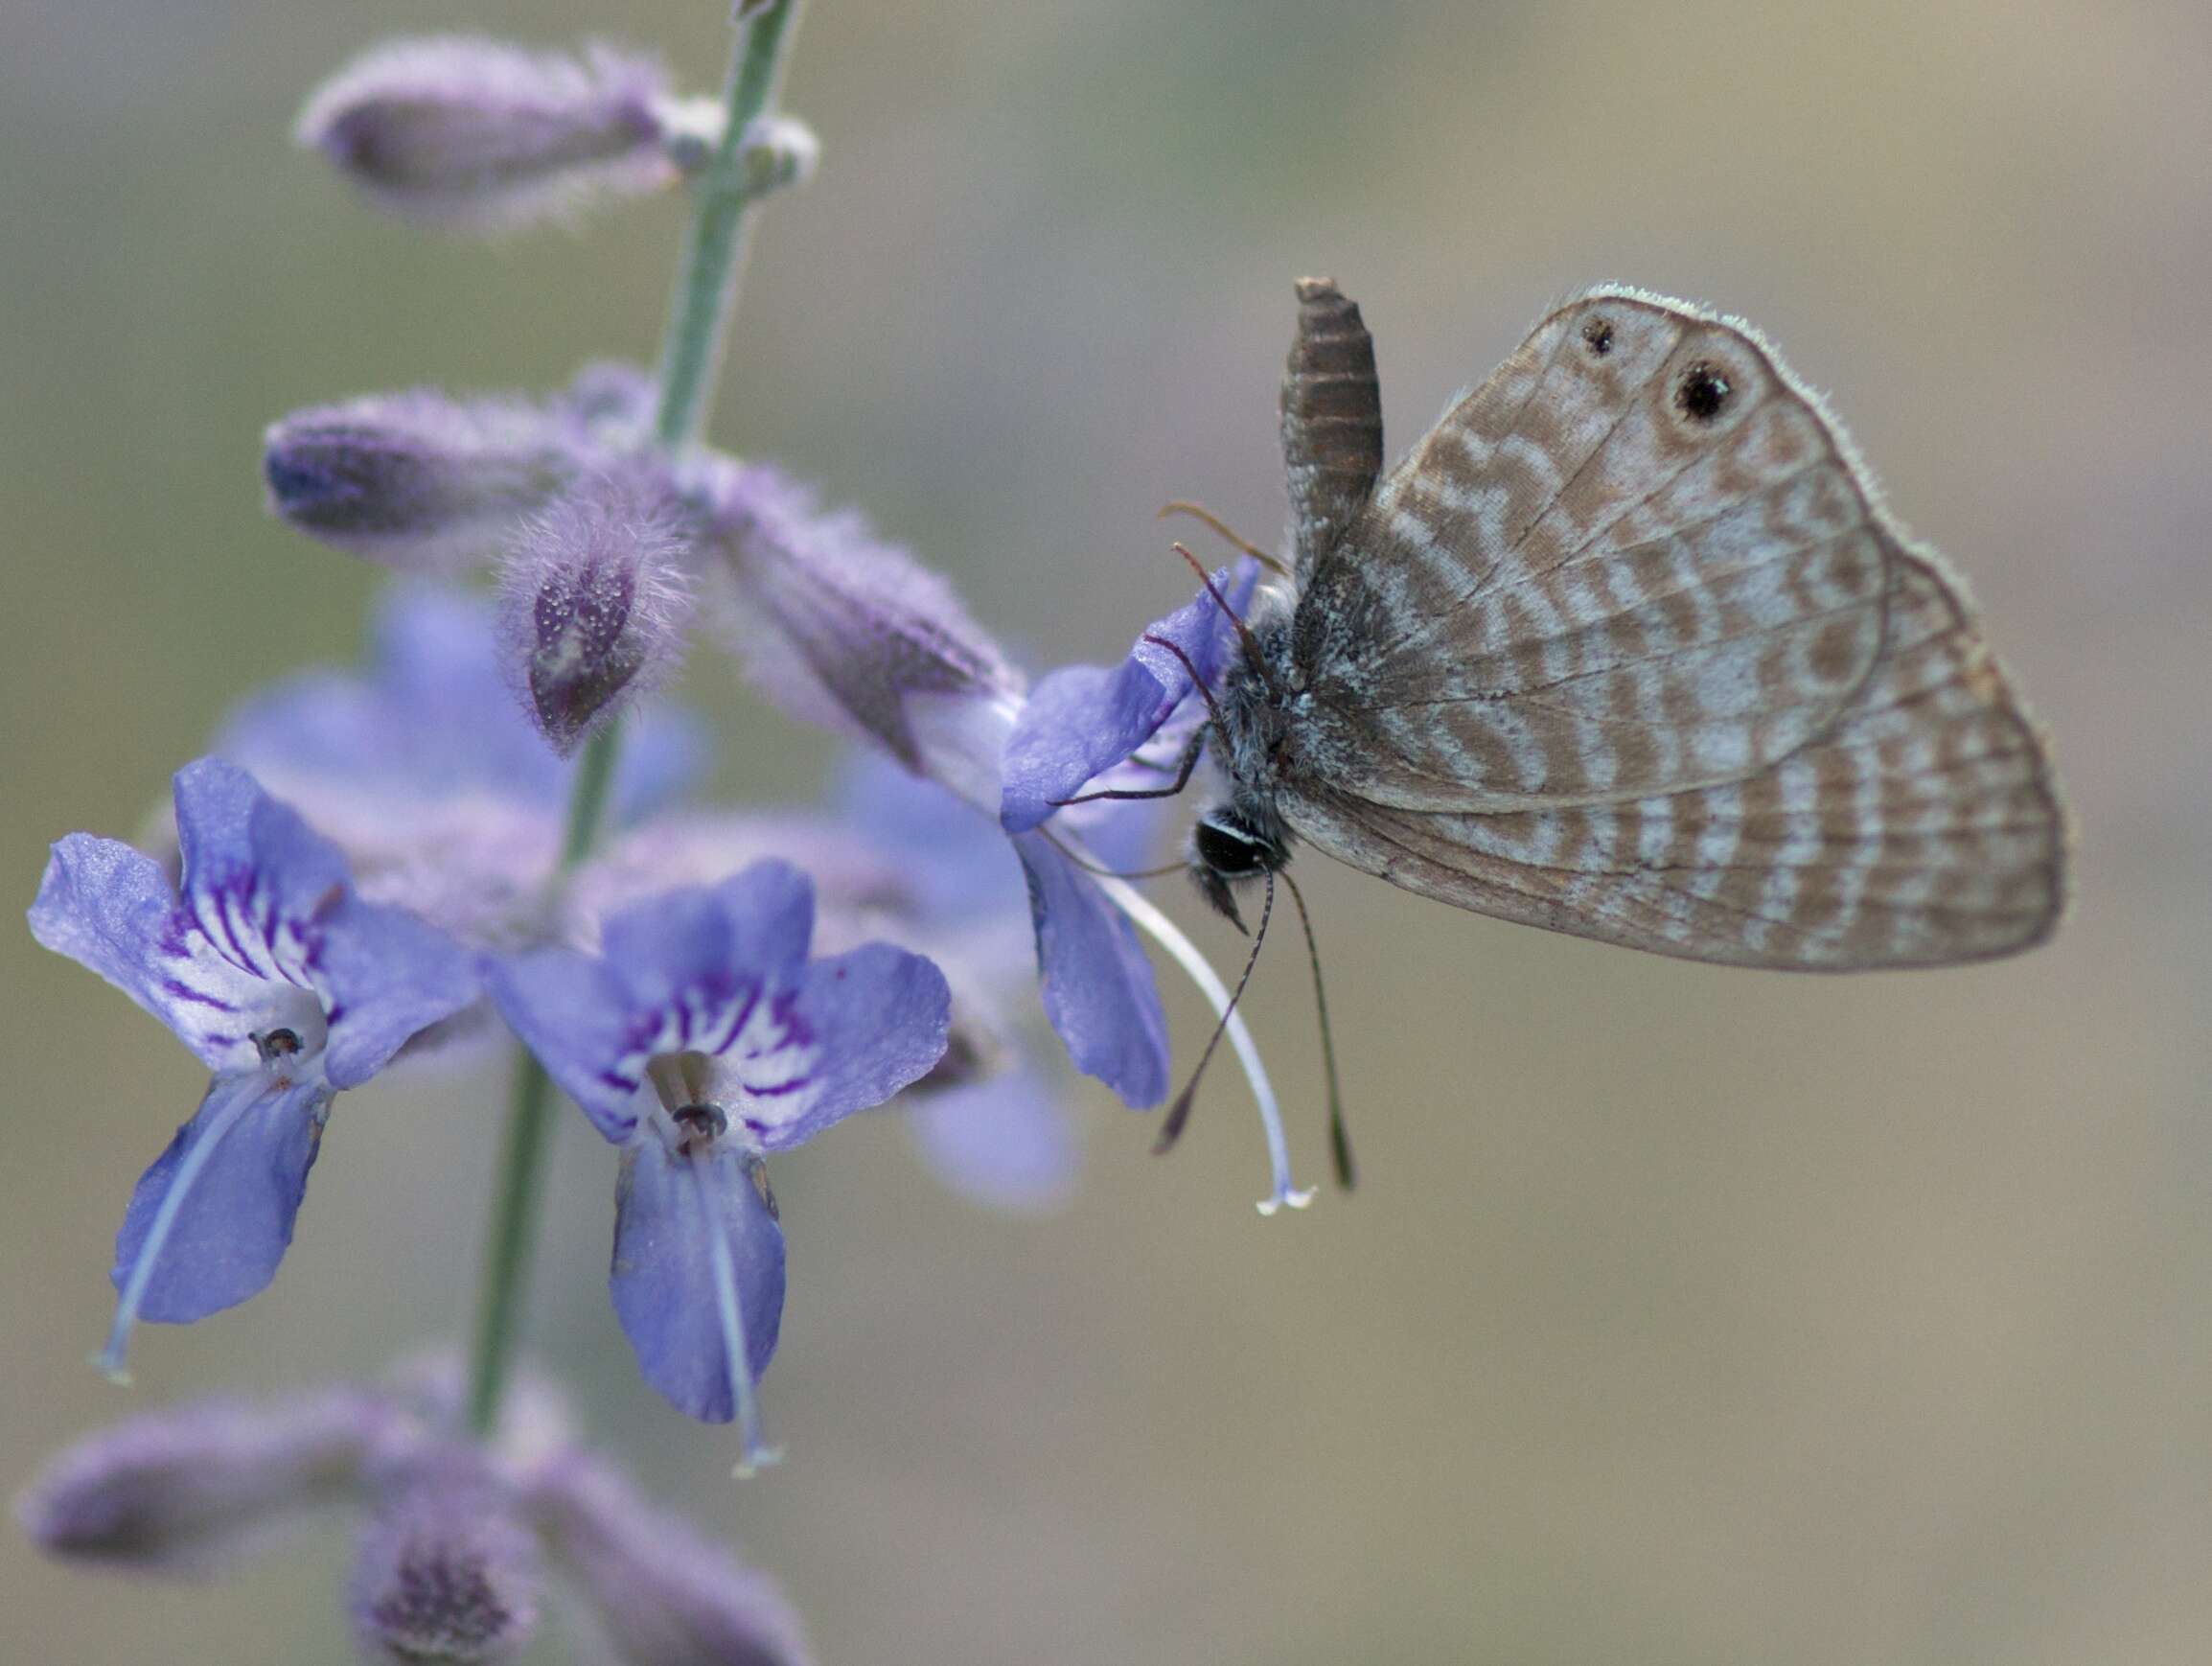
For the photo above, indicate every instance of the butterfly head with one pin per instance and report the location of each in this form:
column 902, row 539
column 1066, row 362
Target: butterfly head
column 1229, row 843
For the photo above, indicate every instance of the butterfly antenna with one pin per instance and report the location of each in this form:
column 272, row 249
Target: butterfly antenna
column 1179, row 1113
column 1339, row 1137
column 1220, row 528
column 1105, row 872
column 1243, row 630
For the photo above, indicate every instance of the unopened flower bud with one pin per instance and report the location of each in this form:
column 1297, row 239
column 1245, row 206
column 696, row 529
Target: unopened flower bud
column 663, row 1593
column 190, row 1488
column 485, row 135
column 446, row 1570
column 594, row 601
column 416, row 480
column 844, row 629
column 779, row 152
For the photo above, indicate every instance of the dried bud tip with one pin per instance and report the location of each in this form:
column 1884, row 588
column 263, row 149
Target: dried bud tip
column 485, row 135
column 594, row 605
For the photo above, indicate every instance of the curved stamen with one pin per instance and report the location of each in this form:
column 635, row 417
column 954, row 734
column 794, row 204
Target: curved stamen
column 759, row 1455
column 1164, row 932
column 245, row 1091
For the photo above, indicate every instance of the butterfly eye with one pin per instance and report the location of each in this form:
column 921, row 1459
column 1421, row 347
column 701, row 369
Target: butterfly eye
column 1701, row 393
column 1597, row 337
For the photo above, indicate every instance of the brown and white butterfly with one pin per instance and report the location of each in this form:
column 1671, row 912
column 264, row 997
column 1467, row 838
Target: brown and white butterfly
column 1627, row 647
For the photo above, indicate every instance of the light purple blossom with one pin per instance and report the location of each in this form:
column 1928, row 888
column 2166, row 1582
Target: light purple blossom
column 427, row 773
column 421, row 480
column 594, row 604
column 1083, row 720
column 484, row 136
column 282, row 981
column 456, row 1534
column 699, row 1038
column 445, row 1568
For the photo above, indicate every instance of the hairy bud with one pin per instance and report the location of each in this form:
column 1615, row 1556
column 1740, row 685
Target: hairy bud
column 484, row 136
column 190, row 1489
column 594, row 602
column 418, row 481
column 445, row 1570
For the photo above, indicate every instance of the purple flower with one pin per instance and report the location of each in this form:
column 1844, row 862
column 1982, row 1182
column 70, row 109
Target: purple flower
column 424, row 770
column 1082, row 720
column 447, row 1569
column 283, row 981
column 699, row 1039
column 484, row 136
column 448, row 1563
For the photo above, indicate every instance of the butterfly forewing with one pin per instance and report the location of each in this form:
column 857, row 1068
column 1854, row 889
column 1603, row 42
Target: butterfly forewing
column 1635, row 559
column 1626, row 649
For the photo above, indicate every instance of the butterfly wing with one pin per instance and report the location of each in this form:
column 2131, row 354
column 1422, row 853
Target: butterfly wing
column 1638, row 559
column 1922, row 828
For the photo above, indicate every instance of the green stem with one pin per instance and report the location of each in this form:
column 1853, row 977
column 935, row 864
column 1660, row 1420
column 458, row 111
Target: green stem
column 691, row 355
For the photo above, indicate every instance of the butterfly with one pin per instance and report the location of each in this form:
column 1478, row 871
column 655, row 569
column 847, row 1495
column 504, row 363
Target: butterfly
column 1627, row 647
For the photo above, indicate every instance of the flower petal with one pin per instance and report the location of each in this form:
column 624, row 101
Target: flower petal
column 1096, row 983
column 112, row 909
column 573, row 1014
column 683, row 951
column 385, row 976
column 861, row 1027
column 212, row 1219
column 675, row 1218
column 1007, row 1141
column 1084, row 719
column 256, row 878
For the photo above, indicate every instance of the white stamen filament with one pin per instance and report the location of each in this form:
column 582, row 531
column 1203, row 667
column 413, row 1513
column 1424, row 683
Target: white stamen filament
column 244, row 1092
column 1168, row 935
column 757, row 1454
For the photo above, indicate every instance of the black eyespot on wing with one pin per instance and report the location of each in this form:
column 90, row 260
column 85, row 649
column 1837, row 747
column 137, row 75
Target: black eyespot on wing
column 1597, row 337
column 1701, row 392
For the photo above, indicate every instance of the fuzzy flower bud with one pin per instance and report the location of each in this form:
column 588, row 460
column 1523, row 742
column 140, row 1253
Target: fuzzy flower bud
column 841, row 628
column 483, row 135
column 418, row 481
column 594, row 602
column 188, row 1490
column 445, row 1570
column 662, row 1593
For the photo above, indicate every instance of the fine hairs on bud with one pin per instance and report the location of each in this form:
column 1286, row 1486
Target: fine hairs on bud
column 445, row 1570
column 593, row 601
column 484, row 136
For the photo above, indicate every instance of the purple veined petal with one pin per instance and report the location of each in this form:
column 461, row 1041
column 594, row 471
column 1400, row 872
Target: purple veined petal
column 1007, row 1141
column 862, row 1025
column 385, row 976
column 111, row 909
column 211, row 1220
column 1084, row 719
column 694, row 954
column 446, row 1569
column 1096, row 984
column 256, row 879
column 574, row 1015
column 698, row 1280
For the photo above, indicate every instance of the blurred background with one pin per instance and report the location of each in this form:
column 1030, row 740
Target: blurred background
column 1683, row 1315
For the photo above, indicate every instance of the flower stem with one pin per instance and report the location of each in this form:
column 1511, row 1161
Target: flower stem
column 691, row 355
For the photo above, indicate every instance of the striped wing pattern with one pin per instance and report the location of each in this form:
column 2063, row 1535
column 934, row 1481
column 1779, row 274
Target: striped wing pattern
column 1636, row 559
column 1797, row 751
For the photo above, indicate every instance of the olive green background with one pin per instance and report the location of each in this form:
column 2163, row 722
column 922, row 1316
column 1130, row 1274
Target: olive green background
column 1684, row 1315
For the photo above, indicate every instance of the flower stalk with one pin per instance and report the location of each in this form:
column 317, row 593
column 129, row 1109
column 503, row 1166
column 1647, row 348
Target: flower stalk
column 725, row 192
